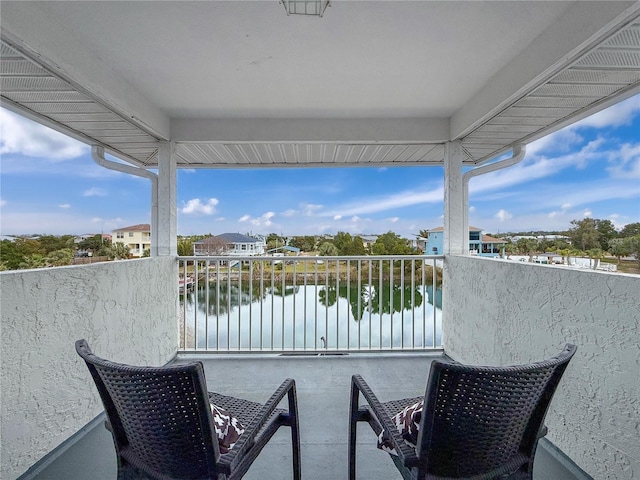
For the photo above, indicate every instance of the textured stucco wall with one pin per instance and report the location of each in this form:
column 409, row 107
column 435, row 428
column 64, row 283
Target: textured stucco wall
column 126, row 310
column 501, row 313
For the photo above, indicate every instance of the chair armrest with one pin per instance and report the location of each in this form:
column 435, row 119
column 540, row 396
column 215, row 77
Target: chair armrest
column 246, row 440
column 406, row 453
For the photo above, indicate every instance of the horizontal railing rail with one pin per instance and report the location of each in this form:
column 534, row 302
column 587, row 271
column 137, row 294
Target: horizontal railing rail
column 315, row 305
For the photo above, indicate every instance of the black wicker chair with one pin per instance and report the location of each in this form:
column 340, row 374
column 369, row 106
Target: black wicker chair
column 163, row 427
column 476, row 423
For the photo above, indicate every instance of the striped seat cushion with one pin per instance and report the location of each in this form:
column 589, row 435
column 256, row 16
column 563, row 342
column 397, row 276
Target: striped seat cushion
column 228, row 428
column 407, row 421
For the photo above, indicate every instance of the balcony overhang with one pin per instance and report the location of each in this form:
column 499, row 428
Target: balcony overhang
column 238, row 84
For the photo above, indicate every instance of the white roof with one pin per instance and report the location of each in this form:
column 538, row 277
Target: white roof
column 240, row 83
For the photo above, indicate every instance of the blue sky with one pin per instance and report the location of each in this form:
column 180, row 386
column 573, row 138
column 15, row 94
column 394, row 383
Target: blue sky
column 49, row 184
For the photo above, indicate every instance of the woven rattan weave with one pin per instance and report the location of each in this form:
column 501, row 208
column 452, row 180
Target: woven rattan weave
column 477, row 423
column 162, row 425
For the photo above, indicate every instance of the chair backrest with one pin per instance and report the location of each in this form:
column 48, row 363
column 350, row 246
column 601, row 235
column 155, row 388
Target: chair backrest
column 485, row 420
column 160, row 416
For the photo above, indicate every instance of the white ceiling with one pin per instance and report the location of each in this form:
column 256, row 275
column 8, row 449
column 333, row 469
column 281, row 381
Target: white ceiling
column 248, row 59
column 240, row 83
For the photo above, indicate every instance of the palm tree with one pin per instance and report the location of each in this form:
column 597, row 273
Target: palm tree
column 328, row 249
column 527, row 246
column 596, row 254
column 564, row 252
column 119, row 251
column 510, row 248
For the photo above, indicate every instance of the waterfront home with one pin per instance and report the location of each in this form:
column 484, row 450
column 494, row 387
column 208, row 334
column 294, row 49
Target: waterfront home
column 479, row 244
column 136, row 237
column 163, row 86
column 229, row 244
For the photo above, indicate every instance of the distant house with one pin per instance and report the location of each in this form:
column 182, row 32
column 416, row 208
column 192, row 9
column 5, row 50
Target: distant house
column 539, row 238
column 83, row 237
column 479, row 244
column 284, row 250
column 491, row 246
column 86, row 236
column 368, row 240
column 136, row 237
column 229, row 244
column 420, row 243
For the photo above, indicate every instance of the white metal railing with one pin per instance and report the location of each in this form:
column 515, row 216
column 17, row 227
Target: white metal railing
column 309, row 304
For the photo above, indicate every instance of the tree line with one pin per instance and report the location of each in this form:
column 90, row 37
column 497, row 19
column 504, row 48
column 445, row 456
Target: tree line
column 342, row 243
column 345, row 244
column 587, row 237
column 55, row 251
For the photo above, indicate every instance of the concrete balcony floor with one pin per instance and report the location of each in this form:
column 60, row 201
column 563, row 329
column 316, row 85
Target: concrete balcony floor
column 323, row 398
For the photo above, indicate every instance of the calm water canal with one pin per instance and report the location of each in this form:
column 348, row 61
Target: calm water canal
column 288, row 317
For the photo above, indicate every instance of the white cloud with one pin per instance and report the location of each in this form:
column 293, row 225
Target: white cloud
column 618, row 221
column 288, row 213
column 625, row 162
column 535, row 168
column 196, row 207
column 65, row 205
column 617, row 115
column 263, row 220
column 2, row 202
column 563, row 210
column 95, row 192
column 588, row 193
column 337, row 217
column 405, row 198
column 309, row 209
column 564, row 140
column 503, row 215
column 58, row 222
column 587, row 213
column 522, row 222
column 21, row 136
column 108, row 224
column 561, row 141
column 394, row 219
column 355, row 219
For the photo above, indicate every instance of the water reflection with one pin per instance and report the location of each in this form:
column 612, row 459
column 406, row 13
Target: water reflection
column 372, row 299
column 283, row 316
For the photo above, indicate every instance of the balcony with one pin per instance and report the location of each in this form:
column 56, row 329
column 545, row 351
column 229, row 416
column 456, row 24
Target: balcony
column 458, row 101
column 494, row 312
column 323, row 396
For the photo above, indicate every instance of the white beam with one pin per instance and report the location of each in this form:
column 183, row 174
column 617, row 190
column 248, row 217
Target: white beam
column 167, row 200
column 401, row 130
column 455, row 240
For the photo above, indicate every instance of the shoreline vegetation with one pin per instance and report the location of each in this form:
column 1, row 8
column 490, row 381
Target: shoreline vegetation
column 300, row 273
column 596, row 239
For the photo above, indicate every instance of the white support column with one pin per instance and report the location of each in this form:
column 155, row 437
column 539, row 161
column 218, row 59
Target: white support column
column 456, row 242
column 167, row 231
